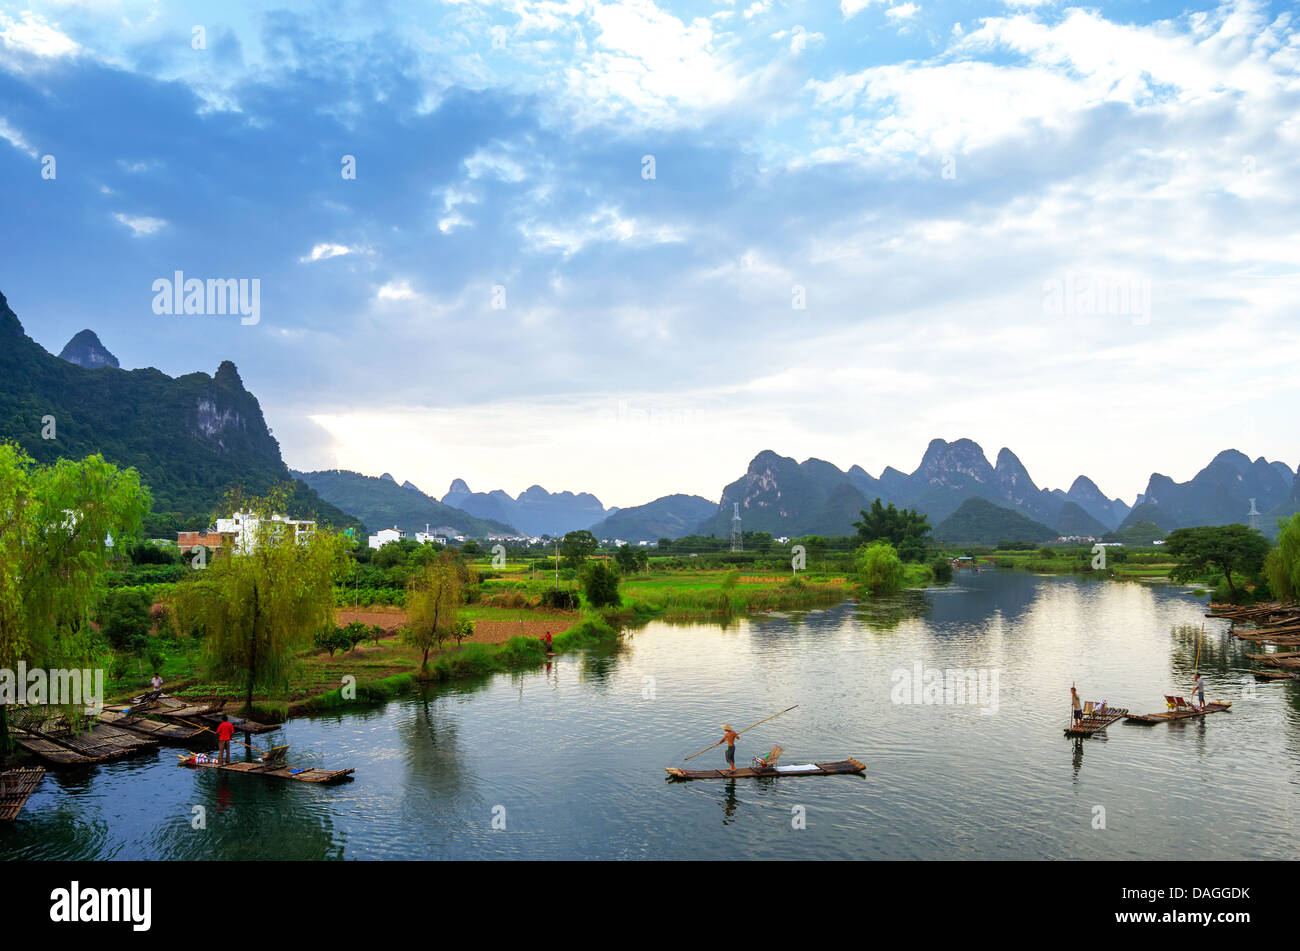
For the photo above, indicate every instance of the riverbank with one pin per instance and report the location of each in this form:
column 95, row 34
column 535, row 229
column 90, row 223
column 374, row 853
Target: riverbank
column 505, row 639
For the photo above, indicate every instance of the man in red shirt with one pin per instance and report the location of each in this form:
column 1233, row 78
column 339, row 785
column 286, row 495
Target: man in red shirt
column 225, row 730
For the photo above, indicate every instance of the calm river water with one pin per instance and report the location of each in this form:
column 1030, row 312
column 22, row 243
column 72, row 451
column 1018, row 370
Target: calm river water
column 571, row 760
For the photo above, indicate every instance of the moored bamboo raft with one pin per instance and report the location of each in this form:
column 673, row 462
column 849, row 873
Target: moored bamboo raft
column 1169, row 715
column 274, row 770
column 1274, row 675
column 1096, row 722
column 846, row 766
column 16, row 785
column 100, row 744
column 50, row 752
column 1287, row 660
column 163, row 732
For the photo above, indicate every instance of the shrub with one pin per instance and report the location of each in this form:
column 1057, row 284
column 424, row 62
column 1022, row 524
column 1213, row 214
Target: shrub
column 560, row 598
column 600, row 585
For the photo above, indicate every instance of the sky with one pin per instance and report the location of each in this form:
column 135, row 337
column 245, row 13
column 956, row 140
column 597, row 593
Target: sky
column 624, row 247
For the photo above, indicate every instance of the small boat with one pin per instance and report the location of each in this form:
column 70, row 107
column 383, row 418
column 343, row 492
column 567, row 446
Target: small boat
column 276, row 770
column 1178, row 713
column 844, row 766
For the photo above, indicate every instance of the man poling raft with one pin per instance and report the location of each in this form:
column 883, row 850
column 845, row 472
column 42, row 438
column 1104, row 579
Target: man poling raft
column 762, row 766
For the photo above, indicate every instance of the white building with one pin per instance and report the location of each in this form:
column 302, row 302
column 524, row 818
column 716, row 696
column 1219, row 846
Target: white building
column 386, row 535
column 428, row 536
column 244, row 529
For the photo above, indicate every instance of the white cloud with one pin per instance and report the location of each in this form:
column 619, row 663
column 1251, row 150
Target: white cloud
column 396, row 291
column 904, row 11
column 322, row 252
column 34, row 35
column 851, row 8
column 140, row 225
column 16, row 138
column 603, row 225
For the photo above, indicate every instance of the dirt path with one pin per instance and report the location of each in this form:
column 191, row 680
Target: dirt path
column 485, row 632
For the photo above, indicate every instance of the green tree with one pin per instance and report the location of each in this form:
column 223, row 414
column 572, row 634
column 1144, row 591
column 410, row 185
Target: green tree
column 577, row 547
column 1282, row 565
column 904, row 529
column 124, row 619
column 879, row 568
column 600, row 585
column 258, row 606
column 1232, row 549
column 433, row 600
column 625, row 558
column 54, row 526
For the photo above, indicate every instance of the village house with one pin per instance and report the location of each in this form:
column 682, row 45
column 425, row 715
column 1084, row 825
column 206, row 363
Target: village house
column 386, row 535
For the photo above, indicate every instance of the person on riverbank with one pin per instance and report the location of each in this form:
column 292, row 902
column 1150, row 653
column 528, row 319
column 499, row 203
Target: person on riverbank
column 156, row 683
column 549, row 648
column 225, row 732
column 1076, row 705
column 729, row 736
column 1198, row 691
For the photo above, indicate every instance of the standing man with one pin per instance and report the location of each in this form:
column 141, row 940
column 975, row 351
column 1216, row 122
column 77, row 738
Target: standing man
column 729, row 737
column 156, row 682
column 1198, row 691
column 1076, row 705
column 225, row 731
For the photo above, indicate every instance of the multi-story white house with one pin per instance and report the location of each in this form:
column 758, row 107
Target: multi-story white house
column 245, row 528
column 386, row 535
column 436, row 535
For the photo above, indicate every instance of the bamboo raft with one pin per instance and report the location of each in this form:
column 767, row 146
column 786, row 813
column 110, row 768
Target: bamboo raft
column 100, row 744
column 846, row 766
column 48, row 751
column 1170, row 715
column 171, row 732
column 1286, row 660
column 170, row 708
column 16, row 785
column 1096, row 722
column 274, row 770
column 1274, row 675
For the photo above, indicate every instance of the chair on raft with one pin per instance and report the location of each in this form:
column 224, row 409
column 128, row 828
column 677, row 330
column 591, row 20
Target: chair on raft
column 768, row 761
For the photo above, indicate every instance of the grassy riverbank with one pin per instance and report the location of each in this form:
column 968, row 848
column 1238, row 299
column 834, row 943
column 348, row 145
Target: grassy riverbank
column 509, row 625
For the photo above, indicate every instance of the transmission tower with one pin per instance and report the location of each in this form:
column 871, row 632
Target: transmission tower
column 737, row 540
column 1255, row 517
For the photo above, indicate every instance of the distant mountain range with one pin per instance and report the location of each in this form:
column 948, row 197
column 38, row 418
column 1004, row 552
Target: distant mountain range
column 779, row 495
column 382, row 503
column 534, row 512
column 194, row 436
column 190, row 438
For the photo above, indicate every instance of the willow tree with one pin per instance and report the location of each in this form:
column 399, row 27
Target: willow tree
column 55, row 526
column 256, row 605
column 1282, row 566
column 433, row 597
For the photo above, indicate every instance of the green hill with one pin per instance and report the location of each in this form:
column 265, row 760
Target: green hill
column 669, row 517
column 191, row 438
column 381, row 503
column 979, row 522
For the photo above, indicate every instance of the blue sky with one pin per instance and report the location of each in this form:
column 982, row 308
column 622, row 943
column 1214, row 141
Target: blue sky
column 924, row 177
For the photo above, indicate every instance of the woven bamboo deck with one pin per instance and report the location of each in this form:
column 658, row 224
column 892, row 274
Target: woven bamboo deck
column 15, row 786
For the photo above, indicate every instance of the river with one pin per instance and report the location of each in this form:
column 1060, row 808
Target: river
column 568, row 762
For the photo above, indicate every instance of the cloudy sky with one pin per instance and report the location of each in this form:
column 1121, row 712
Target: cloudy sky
column 623, row 247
